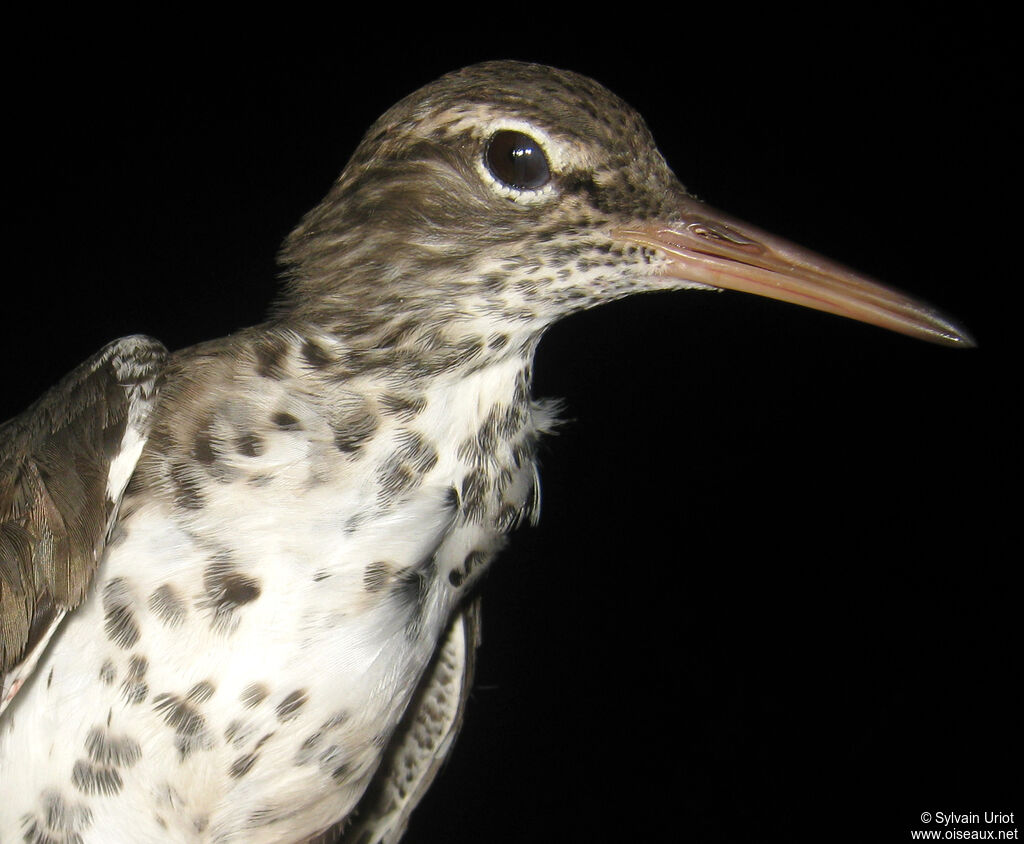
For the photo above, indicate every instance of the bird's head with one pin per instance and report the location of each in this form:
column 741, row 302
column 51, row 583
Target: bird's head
column 510, row 194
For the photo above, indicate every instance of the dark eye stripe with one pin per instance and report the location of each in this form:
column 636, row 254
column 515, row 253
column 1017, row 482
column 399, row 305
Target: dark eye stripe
column 517, row 161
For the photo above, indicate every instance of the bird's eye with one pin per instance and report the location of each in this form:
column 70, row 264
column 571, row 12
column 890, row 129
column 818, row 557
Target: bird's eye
column 517, row 160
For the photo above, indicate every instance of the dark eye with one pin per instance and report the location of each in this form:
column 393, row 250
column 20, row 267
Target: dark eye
column 517, row 161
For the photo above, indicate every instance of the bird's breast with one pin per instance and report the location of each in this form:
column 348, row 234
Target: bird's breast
column 268, row 602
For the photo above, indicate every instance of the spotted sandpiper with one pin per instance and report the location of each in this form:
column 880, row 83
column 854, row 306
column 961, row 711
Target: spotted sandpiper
column 238, row 581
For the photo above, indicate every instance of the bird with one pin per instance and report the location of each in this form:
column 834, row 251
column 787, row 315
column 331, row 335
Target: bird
column 239, row 582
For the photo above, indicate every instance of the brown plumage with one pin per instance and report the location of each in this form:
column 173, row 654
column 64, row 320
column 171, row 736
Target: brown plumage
column 55, row 510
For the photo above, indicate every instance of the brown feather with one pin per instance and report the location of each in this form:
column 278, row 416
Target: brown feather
column 55, row 460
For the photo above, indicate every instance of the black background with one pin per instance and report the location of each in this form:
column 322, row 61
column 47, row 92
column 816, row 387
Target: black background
column 774, row 594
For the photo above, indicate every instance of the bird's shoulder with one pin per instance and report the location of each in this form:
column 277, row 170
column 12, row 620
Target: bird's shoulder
column 271, row 407
column 64, row 464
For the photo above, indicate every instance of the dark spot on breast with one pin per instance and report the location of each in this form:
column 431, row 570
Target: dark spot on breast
column 443, row 357
column 110, row 750
column 236, row 732
column 49, row 678
column 353, row 422
column 307, row 750
column 336, row 720
column 487, row 436
column 467, row 450
column 350, row 439
column 403, row 406
column 415, row 450
column 376, row 576
column 208, row 451
column 203, row 450
column 201, row 691
column 189, row 725
column 96, row 779
column 270, row 352
column 134, row 688
column 412, row 458
column 118, row 613
column 60, row 816
column 512, row 420
column 166, row 604
column 108, row 672
column 240, row 589
column 35, row 831
column 509, row 517
column 187, row 489
column 411, row 586
column 342, row 772
column 456, row 577
column 474, row 492
column 396, row 478
column 315, row 355
column 290, row 706
column 253, row 695
column 179, row 714
column 226, row 590
column 330, row 757
column 285, row 421
column 522, row 391
column 356, row 521
column 249, row 445
column 134, row 692
column 240, row 767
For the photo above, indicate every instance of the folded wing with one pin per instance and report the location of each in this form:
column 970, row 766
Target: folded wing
column 64, row 465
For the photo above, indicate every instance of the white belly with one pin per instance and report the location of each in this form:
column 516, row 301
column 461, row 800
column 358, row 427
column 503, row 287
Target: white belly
column 178, row 717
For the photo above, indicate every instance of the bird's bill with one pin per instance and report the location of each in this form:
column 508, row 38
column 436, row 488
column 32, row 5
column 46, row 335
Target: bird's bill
column 708, row 247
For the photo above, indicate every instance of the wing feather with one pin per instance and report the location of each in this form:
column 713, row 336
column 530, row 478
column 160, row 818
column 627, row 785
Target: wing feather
column 64, row 464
